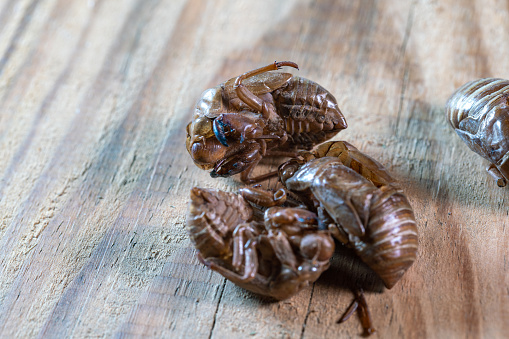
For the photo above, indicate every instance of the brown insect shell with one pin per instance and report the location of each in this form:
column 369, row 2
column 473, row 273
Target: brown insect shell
column 284, row 263
column 297, row 114
column 479, row 113
column 201, row 142
column 377, row 222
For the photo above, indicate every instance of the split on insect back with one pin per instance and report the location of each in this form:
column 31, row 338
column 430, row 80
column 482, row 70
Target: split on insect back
column 275, row 242
column 479, row 113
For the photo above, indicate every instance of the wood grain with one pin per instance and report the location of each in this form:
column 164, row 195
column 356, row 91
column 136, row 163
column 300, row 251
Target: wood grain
column 94, row 99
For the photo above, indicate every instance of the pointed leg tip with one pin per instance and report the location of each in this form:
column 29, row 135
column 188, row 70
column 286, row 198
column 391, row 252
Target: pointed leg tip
column 280, row 64
column 367, row 333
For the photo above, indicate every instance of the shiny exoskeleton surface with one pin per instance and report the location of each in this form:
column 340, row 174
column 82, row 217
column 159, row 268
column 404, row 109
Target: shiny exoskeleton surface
column 479, row 113
column 359, row 202
column 275, row 253
column 259, row 113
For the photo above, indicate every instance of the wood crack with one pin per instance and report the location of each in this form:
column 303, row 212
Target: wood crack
column 221, row 292
column 308, row 312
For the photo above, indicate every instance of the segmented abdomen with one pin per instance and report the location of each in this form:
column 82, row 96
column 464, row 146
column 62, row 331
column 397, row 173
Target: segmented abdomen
column 474, row 100
column 212, row 217
column 391, row 236
column 310, row 113
column 479, row 112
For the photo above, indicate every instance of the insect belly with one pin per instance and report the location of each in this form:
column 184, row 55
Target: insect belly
column 308, row 108
column 306, row 133
column 212, row 217
column 310, row 114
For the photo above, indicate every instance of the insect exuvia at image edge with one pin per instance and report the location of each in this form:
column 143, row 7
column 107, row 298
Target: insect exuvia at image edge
column 479, row 113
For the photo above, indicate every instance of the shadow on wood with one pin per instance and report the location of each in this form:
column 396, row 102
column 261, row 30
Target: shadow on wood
column 348, row 271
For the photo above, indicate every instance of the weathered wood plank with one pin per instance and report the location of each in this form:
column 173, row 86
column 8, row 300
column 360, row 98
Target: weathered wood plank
column 94, row 100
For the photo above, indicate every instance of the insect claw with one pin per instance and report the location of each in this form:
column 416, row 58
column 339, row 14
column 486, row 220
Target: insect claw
column 348, row 312
column 280, row 64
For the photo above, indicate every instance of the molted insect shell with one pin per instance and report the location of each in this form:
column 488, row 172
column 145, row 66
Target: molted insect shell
column 276, row 253
column 479, row 113
column 377, row 222
column 257, row 114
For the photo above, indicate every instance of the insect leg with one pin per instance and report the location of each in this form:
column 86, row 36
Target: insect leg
column 295, row 218
column 359, row 304
column 364, row 314
column 244, row 160
column 331, row 149
column 251, row 99
column 245, row 176
column 287, row 154
column 283, row 249
column 239, row 243
column 271, row 67
column 245, row 238
column 263, row 197
column 348, row 312
column 495, row 173
column 250, row 265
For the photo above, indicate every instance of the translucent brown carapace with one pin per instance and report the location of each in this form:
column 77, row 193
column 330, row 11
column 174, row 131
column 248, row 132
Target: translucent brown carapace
column 357, row 200
column 275, row 253
column 257, row 114
column 276, row 242
column 479, row 113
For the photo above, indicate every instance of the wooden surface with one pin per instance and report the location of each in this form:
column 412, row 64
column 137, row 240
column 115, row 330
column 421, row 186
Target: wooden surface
column 94, row 99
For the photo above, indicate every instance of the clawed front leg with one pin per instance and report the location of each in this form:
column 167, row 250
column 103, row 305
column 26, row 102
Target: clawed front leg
column 241, row 162
column 282, row 249
column 346, row 214
column 233, row 128
column 244, row 255
column 315, row 247
column 250, row 98
column 243, row 241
